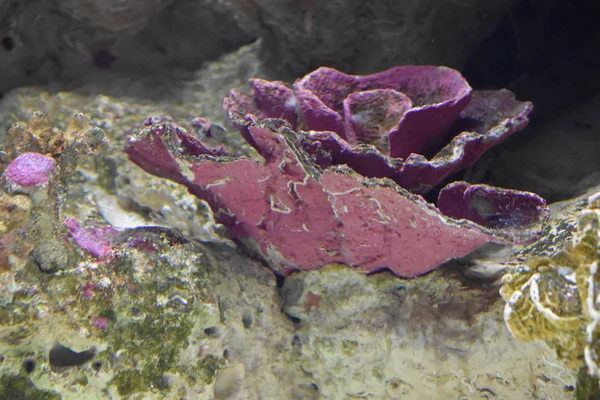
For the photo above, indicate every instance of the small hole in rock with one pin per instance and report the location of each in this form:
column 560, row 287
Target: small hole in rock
column 28, row 365
column 296, row 343
column 136, row 311
column 279, row 281
column 97, row 365
column 8, row 43
column 161, row 382
column 247, row 319
column 103, row 59
column 61, row 356
column 212, row 332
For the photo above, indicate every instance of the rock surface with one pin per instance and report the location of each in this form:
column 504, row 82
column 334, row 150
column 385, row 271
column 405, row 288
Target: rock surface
column 363, row 37
column 47, row 41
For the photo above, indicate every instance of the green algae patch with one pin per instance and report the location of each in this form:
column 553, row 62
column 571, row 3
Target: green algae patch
column 143, row 311
column 16, row 387
column 208, row 368
column 129, row 382
column 587, row 386
column 349, row 348
column 154, row 317
column 155, row 342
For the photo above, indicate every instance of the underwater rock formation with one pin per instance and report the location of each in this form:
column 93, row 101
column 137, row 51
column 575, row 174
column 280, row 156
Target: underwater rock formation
column 114, row 15
column 363, row 37
column 65, row 41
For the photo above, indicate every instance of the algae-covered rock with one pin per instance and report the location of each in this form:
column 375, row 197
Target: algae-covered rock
column 158, row 319
column 587, row 386
column 554, row 298
column 40, row 161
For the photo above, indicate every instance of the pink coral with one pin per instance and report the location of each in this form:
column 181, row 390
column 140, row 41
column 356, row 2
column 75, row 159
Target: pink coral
column 299, row 216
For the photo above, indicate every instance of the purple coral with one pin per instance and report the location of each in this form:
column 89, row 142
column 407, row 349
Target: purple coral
column 298, row 216
column 30, row 169
column 98, row 241
column 494, row 208
column 339, row 153
column 413, row 124
column 413, row 106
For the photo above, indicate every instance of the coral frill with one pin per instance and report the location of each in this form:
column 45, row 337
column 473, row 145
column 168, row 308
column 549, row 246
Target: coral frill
column 416, row 125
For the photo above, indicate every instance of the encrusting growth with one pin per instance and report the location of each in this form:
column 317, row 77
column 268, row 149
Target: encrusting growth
column 556, row 299
column 41, row 159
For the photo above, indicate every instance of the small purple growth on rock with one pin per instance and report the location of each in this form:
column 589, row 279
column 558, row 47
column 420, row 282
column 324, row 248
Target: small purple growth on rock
column 97, row 241
column 101, row 322
column 30, row 169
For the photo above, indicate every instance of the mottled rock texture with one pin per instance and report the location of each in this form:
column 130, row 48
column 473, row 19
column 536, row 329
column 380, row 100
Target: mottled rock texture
column 48, row 41
column 556, row 158
column 412, row 339
column 364, row 36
